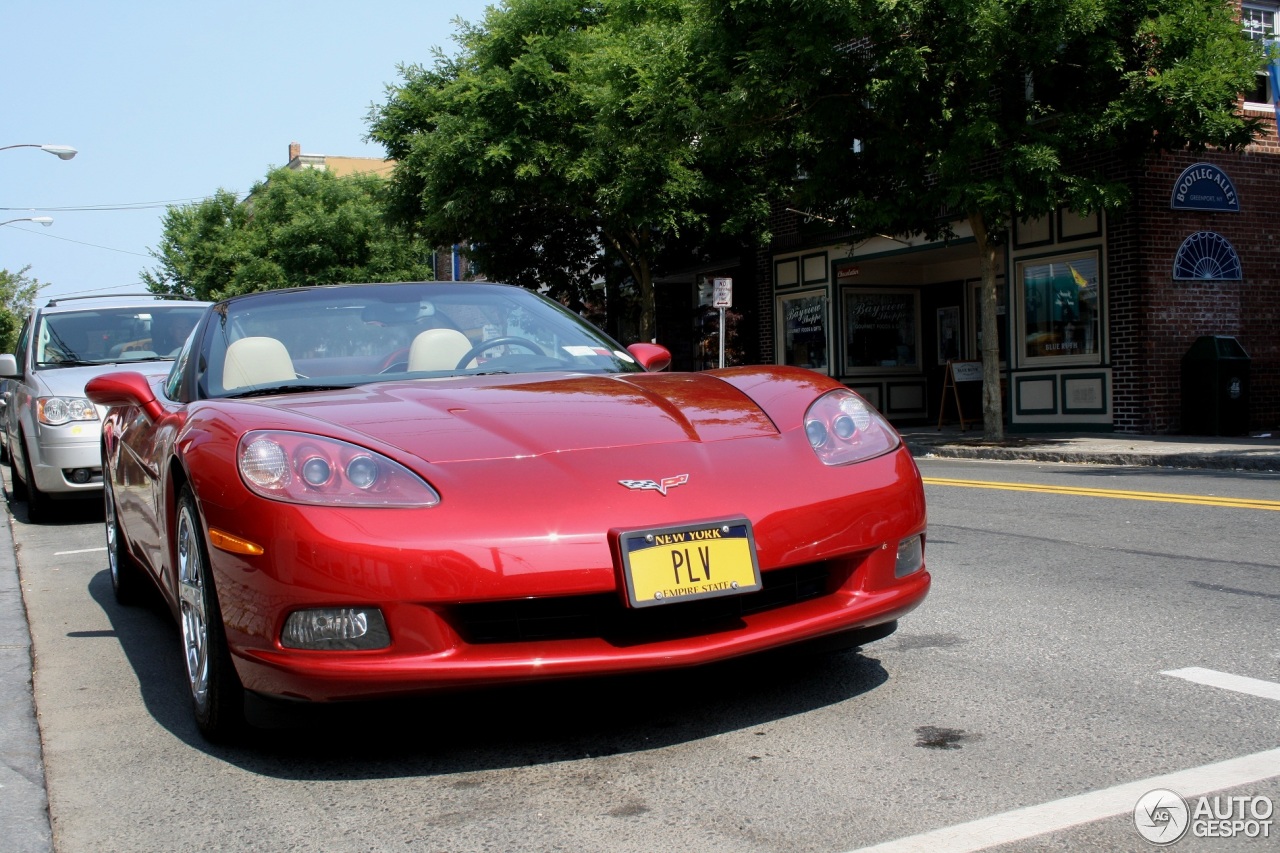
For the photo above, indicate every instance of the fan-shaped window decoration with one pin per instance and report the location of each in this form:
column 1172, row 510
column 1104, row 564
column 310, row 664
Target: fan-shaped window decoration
column 1206, row 256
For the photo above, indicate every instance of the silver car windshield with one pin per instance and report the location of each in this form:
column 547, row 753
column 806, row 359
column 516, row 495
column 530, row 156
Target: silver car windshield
column 110, row 335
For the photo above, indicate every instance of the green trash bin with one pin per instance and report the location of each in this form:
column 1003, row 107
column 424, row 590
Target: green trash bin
column 1215, row 387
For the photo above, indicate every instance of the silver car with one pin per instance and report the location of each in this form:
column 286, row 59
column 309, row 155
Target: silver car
column 51, row 433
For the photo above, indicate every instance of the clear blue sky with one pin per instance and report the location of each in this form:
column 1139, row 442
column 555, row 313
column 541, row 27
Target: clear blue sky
column 170, row 100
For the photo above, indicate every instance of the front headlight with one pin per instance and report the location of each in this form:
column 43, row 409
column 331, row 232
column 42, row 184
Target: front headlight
column 310, row 469
column 843, row 428
column 55, row 411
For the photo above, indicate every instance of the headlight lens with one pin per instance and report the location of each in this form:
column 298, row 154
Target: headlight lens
column 55, row 411
column 310, row 469
column 843, row 428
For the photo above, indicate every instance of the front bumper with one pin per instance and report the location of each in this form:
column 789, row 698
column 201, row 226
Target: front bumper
column 444, row 579
column 61, row 451
column 322, row 676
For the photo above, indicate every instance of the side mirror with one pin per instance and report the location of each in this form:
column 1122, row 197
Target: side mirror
column 651, row 356
column 124, row 389
column 8, row 366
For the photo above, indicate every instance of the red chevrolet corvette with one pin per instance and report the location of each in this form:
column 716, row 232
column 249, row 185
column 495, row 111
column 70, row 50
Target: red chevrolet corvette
column 379, row 489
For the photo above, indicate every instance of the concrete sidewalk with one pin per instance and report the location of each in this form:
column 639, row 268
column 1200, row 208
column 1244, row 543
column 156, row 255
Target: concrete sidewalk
column 1242, row 453
column 24, row 806
column 24, row 810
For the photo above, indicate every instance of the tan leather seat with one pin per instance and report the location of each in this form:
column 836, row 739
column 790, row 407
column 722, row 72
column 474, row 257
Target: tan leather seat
column 438, row 349
column 256, row 361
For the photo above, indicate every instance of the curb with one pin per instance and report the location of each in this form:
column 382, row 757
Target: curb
column 24, row 802
column 1222, row 460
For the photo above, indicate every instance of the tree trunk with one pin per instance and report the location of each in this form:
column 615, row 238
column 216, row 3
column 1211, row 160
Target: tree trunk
column 992, row 404
column 634, row 253
column 648, row 305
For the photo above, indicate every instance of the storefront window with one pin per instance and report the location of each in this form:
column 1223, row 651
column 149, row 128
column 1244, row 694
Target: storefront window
column 803, row 329
column 1060, row 307
column 882, row 329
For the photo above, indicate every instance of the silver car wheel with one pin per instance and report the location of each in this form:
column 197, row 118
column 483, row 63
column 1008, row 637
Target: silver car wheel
column 195, row 611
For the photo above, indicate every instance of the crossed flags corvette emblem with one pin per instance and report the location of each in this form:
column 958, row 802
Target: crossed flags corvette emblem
column 659, row 486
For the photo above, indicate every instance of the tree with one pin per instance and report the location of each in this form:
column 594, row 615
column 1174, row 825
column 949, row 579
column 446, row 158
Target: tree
column 296, row 228
column 561, row 137
column 17, row 298
column 903, row 116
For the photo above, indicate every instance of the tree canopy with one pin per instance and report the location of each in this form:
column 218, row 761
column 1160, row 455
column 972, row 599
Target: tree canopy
column 562, row 134
column 17, row 297
column 906, row 116
column 296, row 228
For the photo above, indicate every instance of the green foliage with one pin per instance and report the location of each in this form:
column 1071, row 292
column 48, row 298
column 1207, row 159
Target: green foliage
column 973, row 107
column 905, row 116
column 17, row 297
column 559, row 131
column 296, row 228
column 566, row 138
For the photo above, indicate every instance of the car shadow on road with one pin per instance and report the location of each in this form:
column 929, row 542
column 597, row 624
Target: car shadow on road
column 491, row 728
column 63, row 511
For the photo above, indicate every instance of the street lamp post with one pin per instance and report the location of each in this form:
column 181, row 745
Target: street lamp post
column 43, row 220
column 62, row 152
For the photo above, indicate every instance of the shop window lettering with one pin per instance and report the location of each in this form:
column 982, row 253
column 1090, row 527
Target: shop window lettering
column 804, row 330
column 881, row 328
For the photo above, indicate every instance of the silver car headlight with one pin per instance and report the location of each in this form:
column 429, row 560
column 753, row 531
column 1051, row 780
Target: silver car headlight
column 55, row 411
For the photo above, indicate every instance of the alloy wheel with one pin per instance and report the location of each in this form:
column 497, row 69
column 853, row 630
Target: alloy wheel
column 195, row 611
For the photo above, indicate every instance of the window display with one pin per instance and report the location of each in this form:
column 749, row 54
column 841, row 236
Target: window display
column 1060, row 307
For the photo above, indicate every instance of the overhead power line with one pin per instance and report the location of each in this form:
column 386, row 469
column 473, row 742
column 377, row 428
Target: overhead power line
column 78, row 242
column 133, row 205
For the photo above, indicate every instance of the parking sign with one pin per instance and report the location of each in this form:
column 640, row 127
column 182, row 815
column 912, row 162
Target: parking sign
column 723, row 292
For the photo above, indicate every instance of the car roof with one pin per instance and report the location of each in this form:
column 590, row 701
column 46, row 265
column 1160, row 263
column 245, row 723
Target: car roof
column 62, row 304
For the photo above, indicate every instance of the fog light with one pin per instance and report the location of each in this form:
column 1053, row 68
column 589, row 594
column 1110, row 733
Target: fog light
column 910, row 556
column 81, row 476
column 336, row 628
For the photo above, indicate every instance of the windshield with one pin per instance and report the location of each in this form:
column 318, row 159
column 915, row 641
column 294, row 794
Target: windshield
column 342, row 336
column 110, row 335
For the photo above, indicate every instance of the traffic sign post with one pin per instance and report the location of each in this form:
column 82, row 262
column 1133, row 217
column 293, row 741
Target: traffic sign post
column 722, row 298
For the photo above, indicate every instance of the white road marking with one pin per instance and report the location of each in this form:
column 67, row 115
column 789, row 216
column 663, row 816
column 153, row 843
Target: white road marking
column 1227, row 681
column 1031, row 821
column 1020, row 824
column 81, row 551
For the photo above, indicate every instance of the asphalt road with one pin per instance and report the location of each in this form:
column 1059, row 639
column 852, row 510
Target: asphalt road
column 1035, row 677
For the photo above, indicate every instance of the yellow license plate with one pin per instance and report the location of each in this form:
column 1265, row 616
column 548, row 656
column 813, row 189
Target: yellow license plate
column 670, row 564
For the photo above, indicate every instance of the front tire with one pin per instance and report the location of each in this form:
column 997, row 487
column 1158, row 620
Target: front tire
column 17, row 486
column 126, row 575
column 217, row 697
column 37, row 501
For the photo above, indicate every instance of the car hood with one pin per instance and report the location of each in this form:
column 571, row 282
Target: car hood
column 70, row 381
column 518, row 416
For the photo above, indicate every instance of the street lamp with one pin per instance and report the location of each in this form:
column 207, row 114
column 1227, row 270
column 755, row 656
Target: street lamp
column 62, row 152
column 43, row 220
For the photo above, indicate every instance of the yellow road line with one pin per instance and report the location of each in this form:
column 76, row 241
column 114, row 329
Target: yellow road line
column 1162, row 497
